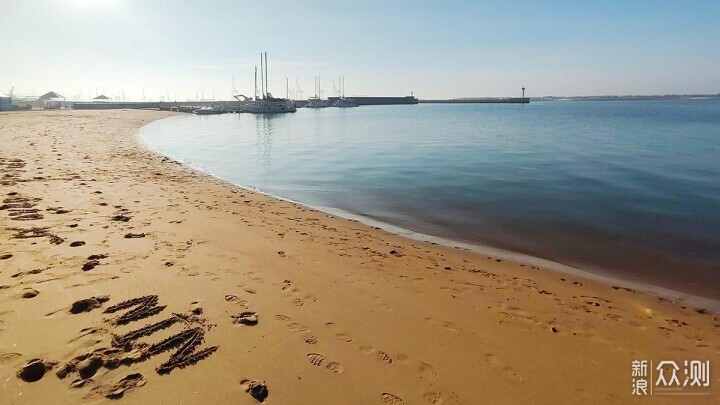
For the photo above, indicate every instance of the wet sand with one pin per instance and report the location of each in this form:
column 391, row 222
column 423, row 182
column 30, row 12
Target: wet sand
column 126, row 275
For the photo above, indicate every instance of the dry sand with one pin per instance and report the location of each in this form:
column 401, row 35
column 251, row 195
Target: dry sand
column 343, row 313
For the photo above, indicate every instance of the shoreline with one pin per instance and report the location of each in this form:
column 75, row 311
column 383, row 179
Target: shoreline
column 314, row 307
column 611, row 278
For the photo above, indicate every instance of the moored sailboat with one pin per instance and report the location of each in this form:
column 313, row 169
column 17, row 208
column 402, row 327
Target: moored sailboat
column 267, row 104
column 316, row 101
column 343, row 101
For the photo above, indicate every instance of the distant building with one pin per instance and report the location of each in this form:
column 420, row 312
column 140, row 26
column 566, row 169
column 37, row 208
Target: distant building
column 5, row 102
column 51, row 96
column 102, row 98
column 52, row 100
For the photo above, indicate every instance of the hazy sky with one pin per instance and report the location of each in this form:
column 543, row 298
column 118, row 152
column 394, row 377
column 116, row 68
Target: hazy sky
column 432, row 48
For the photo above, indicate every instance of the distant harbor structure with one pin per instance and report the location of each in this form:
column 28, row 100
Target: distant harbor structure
column 5, row 102
column 483, row 100
column 380, row 100
column 232, row 106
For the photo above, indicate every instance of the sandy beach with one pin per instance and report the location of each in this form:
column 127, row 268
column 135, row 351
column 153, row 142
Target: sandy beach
column 126, row 275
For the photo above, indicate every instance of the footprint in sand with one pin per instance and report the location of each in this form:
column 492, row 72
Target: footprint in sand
column 340, row 335
column 127, row 383
column 236, row 300
column 295, row 295
column 451, row 326
column 296, row 327
column 335, row 367
column 30, row 293
column 9, row 357
column 196, row 308
column 316, row 359
column 256, row 389
column 384, row 357
column 88, row 367
column 434, row 398
column 88, row 304
column 28, row 273
column 311, row 340
column 121, row 218
column 301, row 299
column 498, row 365
column 248, row 318
column 92, row 261
column 293, row 326
column 34, row 370
column 390, row 399
column 423, row 368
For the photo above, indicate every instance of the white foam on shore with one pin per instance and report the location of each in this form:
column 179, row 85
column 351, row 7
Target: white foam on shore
column 591, row 274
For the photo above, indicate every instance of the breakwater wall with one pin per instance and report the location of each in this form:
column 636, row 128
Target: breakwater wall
column 381, row 100
column 489, row 100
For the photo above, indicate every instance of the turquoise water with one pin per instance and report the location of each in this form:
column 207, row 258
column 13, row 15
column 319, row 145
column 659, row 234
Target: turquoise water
column 629, row 189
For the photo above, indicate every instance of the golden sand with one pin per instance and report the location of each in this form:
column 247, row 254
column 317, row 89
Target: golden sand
column 235, row 292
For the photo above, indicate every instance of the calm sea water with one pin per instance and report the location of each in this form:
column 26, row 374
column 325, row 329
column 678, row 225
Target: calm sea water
column 630, row 189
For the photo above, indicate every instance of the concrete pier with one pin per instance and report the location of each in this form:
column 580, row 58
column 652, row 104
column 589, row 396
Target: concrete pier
column 488, row 100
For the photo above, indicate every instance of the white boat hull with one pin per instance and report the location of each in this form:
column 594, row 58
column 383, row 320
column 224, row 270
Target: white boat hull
column 268, row 107
column 317, row 103
column 345, row 103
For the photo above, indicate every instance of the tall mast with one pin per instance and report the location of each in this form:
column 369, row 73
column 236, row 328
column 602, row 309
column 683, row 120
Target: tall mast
column 267, row 90
column 262, row 82
column 255, row 94
column 287, row 89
